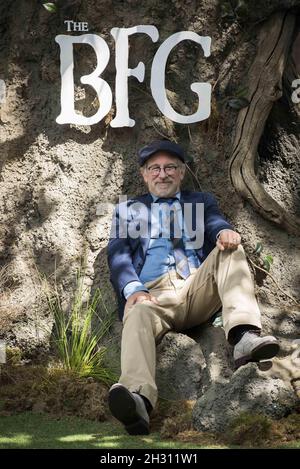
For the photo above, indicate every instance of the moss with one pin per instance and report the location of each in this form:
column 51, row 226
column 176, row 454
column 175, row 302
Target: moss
column 251, row 429
column 259, row 430
column 172, row 417
column 174, row 421
column 288, row 429
column 53, row 390
column 13, row 355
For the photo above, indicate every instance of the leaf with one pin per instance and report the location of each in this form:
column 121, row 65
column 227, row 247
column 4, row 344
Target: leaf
column 51, row 7
column 258, row 248
column 238, row 103
column 267, row 264
column 269, row 259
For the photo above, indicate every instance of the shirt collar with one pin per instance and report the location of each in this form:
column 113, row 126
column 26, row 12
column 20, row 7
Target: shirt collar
column 176, row 196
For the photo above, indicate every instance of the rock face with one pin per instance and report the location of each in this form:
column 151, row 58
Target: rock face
column 249, row 390
column 180, row 366
column 200, row 366
column 270, row 388
column 218, row 355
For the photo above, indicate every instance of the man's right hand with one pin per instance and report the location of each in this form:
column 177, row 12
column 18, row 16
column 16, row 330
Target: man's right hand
column 139, row 297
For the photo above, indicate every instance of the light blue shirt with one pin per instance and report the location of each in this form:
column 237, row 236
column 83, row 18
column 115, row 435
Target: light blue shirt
column 159, row 256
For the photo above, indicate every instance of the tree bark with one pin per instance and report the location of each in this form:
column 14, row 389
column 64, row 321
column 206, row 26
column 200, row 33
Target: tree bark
column 265, row 87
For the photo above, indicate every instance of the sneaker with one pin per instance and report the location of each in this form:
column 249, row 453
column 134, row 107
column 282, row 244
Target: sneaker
column 130, row 409
column 252, row 348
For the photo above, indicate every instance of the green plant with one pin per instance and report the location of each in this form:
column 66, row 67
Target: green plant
column 51, row 7
column 266, row 260
column 77, row 339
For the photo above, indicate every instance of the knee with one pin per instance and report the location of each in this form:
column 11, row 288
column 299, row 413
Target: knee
column 140, row 313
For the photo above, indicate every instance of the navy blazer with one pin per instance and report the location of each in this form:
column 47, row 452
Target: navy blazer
column 126, row 255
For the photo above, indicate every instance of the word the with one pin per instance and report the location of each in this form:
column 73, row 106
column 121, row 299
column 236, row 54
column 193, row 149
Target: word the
column 76, row 26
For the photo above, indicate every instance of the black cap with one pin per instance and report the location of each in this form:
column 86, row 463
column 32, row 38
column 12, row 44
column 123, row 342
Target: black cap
column 160, row 145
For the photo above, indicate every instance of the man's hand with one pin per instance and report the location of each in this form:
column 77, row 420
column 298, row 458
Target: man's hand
column 139, row 297
column 228, row 239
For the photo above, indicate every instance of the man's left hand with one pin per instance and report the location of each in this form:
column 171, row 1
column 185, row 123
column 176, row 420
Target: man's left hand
column 228, row 239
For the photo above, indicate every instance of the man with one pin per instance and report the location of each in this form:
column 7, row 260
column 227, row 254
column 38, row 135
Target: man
column 165, row 281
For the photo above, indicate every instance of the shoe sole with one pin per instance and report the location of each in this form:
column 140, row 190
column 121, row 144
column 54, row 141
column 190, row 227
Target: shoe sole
column 123, row 407
column 261, row 352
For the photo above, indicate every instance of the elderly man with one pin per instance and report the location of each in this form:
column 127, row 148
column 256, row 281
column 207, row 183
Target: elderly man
column 169, row 281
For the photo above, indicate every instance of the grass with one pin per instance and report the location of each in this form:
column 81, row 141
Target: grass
column 47, row 407
column 77, row 338
column 40, row 431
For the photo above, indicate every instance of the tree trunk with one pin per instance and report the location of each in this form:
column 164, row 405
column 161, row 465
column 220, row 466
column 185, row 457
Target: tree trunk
column 265, row 87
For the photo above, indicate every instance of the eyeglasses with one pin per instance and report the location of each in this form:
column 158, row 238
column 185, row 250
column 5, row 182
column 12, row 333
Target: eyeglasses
column 169, row 170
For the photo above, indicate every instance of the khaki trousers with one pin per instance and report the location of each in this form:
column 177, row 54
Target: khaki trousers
column 222, row 280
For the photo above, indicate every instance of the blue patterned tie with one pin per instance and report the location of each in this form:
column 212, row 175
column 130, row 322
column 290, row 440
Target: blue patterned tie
column 182, row 265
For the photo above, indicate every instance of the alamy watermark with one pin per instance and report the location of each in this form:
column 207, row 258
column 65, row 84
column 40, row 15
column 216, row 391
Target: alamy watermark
column 134, row 219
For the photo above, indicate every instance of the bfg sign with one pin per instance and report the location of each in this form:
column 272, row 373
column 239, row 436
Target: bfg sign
column 102, row 88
